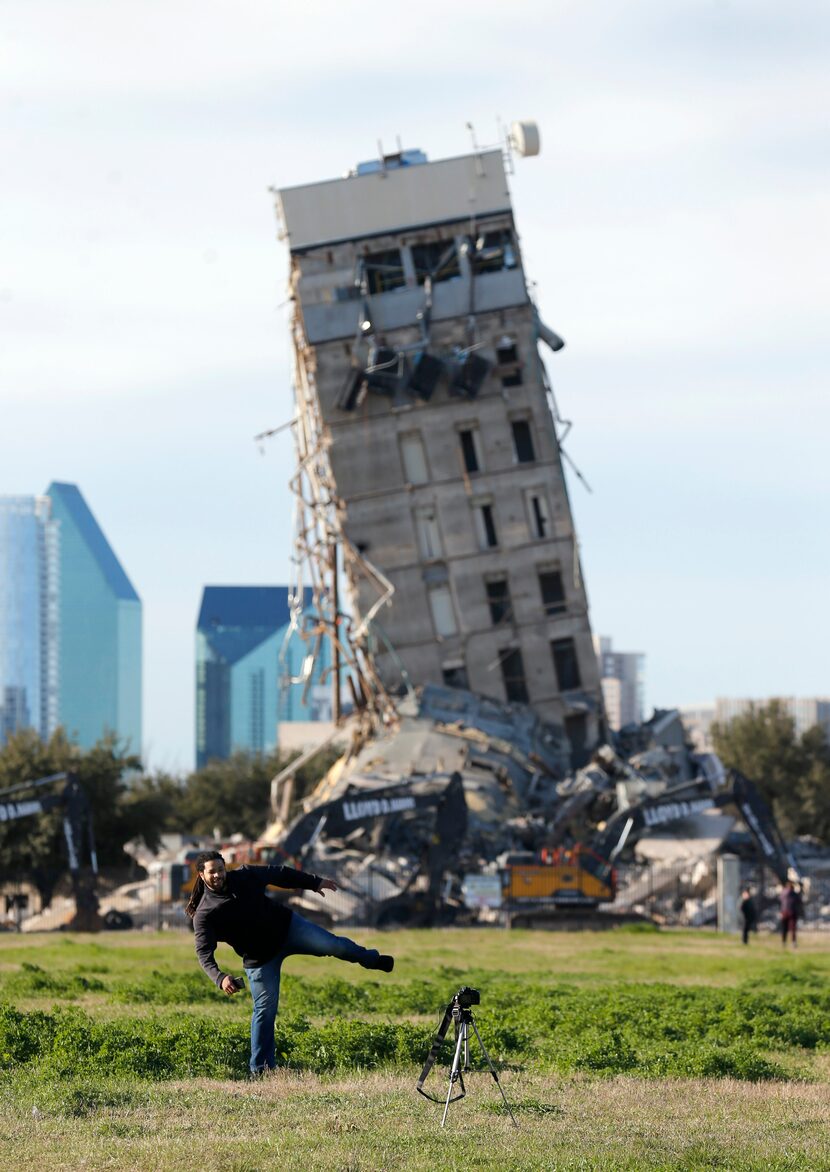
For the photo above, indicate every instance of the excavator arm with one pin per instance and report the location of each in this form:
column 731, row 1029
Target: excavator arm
column 761, row 824
column 77, row 826
column 439, row 796
column 688, row 799
column 359, row 807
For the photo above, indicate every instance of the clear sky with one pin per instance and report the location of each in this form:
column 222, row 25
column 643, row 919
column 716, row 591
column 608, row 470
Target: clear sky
column 676, row 224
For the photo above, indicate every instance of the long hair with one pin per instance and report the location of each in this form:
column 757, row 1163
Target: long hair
column 199, row 885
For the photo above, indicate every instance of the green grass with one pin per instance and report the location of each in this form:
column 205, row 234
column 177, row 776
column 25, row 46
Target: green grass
column 618, row 1050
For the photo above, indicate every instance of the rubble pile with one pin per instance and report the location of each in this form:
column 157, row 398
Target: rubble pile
column 403, row 852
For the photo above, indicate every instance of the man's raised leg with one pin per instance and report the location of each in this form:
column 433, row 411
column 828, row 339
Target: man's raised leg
column 307, row 939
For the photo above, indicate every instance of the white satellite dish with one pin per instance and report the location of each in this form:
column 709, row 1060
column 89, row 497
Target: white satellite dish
column 524, row 139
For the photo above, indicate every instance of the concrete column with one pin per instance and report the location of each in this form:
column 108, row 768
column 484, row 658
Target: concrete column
column 729, row 889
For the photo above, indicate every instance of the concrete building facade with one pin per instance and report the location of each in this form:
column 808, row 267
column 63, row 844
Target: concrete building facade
column 246, row 657
column 423, row 340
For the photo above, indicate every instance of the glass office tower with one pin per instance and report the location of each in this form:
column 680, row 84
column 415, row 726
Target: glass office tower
column 29, row 619
column 100, row 629
column 243, row 663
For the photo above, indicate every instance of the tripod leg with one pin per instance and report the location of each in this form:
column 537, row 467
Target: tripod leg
column 493, row 1070
column 454, row 1074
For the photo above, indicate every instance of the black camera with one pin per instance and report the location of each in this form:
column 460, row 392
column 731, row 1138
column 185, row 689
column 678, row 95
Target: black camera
column 465, row 997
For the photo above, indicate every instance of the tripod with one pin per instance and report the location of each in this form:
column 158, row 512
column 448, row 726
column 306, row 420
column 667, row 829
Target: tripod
column 462, row 1018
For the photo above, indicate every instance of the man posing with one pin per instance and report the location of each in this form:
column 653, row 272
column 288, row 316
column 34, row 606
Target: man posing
column 231, row 907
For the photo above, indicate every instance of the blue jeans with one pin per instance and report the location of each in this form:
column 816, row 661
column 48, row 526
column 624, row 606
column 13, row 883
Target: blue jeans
column 303, row 939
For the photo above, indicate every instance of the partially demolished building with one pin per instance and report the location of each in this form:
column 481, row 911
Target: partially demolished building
column 429, row 468
column 418, row 340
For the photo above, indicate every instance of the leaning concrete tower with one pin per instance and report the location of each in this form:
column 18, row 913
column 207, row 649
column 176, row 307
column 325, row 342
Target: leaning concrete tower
column 419, row 345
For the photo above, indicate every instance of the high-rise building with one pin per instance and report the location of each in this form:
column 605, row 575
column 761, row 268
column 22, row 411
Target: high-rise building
column 245, row 658
column 29, row 619
column 418, row 336
column 100, row 629
column 622, row 677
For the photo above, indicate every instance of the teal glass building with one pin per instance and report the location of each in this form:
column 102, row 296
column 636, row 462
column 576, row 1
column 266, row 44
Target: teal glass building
column 29, row 633
column 243, row 663
column 100, row 624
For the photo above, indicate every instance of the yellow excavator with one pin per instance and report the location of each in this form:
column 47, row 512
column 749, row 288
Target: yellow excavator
column 583, row 876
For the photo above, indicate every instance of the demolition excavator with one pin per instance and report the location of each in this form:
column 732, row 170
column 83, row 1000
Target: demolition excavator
column 423, row 819
column 584, row 876
column 31, row 798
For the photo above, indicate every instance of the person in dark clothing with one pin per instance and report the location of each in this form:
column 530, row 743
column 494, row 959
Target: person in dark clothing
column 231, row 907
column 749, row 914
column 791, row 908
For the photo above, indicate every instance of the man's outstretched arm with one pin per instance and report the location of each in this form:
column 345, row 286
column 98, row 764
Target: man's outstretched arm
column 290, row 877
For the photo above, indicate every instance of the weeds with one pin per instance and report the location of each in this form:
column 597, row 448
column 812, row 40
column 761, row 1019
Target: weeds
column 648, row 1030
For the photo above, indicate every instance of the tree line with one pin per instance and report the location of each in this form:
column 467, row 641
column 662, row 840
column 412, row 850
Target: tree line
column 225, row 798
column 791, row 771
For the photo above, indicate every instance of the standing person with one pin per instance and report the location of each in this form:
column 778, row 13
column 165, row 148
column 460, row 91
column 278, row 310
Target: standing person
column 749, row 914
column 791, row 907
column 232, row 908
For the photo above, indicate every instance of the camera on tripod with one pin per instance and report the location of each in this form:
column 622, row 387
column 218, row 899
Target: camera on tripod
column 459, row 1014
column 466, row 997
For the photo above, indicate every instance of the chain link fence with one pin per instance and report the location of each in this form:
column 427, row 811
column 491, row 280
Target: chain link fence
column 677, row 894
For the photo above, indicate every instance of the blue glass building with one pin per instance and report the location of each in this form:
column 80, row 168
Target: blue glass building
column 29, row 645
column 100, row 629
column 243, row 664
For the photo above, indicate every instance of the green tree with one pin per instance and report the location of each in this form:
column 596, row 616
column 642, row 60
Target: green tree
column 229, row 797
column 233, row 796
column 35, row 845
column 814, row 788
column 152, row 806
column 792, row 772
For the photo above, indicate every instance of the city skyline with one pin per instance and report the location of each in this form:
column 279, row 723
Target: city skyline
column 674, row 225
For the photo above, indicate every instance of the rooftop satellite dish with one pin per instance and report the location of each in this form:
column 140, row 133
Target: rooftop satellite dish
column 524, row 139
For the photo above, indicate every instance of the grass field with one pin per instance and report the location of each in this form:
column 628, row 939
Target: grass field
column 625, row 1049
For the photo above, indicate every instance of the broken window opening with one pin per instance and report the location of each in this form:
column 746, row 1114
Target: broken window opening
column 494, row 251
column 437, row 260
column 576, row 730
column 523, row 442
column 553, row 592
column 470, row 449
column 566, row 664
column 498, row 598
column 513, row 675
column 507, row 361
column 384, row 271
column 485, row 526
column 538, row 515
column 455, row 676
